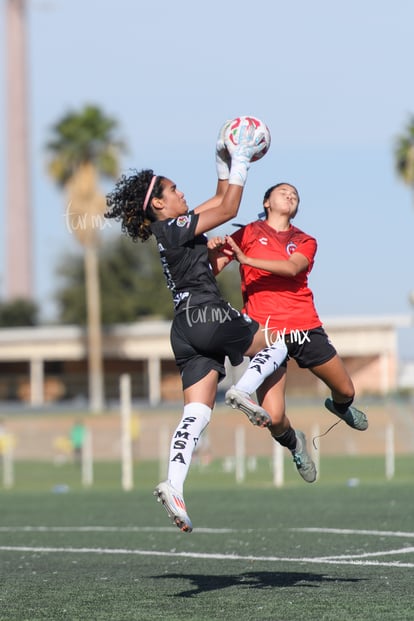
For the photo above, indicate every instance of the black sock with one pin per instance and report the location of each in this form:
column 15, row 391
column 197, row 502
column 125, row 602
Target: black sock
column 288, row 439
column 342, row 407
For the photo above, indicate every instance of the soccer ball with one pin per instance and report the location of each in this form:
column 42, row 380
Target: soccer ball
column 231, row 137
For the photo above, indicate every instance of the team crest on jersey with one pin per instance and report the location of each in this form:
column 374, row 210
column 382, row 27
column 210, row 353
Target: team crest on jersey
column 291, row 247
column 183, row 221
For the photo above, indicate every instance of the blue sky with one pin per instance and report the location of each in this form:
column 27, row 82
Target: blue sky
column 333, row 81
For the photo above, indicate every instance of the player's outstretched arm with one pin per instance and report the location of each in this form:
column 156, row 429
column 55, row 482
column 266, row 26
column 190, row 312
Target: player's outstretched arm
column 227, row 208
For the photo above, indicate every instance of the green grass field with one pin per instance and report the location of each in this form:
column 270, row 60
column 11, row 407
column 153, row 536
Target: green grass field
column 341, row 549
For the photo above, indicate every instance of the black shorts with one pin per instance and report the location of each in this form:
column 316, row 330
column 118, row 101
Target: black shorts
column 202, row 336
column 309, row 348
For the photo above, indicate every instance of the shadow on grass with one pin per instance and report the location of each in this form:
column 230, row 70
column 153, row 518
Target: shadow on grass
column 203, row 583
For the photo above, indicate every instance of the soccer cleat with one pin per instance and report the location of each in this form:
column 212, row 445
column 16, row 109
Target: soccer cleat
column 173, row 503
column 241, row 400
column 353, row 417
column 303, row 460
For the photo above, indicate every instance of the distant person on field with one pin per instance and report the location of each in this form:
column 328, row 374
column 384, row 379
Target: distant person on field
column 77, row 439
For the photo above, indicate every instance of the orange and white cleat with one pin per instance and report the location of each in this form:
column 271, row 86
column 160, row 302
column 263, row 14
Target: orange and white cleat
column 173, row 503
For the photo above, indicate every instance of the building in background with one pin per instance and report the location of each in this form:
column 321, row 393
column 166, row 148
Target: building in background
column 49, row 364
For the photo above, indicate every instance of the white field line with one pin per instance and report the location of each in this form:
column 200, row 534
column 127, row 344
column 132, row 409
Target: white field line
column 215, row 531
column 371, row 554
column 109, row 529
column 351, row 531
column 195, row 555
column 348, row 559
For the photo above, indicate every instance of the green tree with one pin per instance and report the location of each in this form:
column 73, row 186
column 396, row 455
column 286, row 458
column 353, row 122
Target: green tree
column 404, row 163
column 18, row 312
column 404, row 154
column 132, row 284
column 84, row 137
column 84, row 146
column 229, row 285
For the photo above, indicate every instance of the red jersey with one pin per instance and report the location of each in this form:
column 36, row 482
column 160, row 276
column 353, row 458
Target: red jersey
column 283, row 304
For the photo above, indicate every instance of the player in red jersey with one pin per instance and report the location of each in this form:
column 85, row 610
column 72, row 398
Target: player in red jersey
column 275, row 260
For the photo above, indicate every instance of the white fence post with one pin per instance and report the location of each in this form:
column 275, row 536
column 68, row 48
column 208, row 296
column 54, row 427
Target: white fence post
column 278, row 465
column 126, row 442
column 163, row 451
column 87, row 460
column 389, row 452
column 240, row 438
column 8, row 465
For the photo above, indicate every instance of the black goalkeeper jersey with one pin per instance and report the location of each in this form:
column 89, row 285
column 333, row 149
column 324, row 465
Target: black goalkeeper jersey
column 184, row 259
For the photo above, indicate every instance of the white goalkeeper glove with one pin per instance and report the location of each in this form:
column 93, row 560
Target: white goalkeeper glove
column 223, row 159
column 241, row 155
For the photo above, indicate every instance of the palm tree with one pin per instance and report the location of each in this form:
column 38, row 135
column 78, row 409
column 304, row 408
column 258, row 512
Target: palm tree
column 404, row 155
column 83, row 146
column 404, row 160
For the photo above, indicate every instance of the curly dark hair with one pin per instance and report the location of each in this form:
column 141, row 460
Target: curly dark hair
column 126, row 200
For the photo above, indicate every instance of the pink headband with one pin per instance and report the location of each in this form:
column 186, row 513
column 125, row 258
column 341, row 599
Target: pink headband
column 149, row 192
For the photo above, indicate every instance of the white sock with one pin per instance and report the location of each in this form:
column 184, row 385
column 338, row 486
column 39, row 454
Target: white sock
column 263, row 364
column 195, row 419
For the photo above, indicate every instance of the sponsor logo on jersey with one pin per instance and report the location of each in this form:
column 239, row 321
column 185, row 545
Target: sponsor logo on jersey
column 264, row 241
column 291, row 247
column 183, row 221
